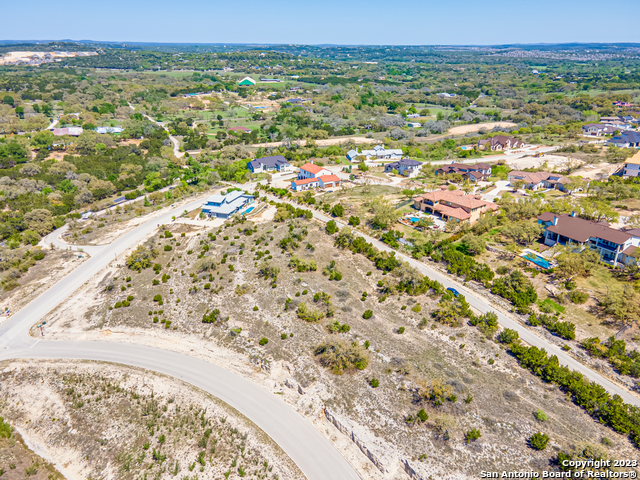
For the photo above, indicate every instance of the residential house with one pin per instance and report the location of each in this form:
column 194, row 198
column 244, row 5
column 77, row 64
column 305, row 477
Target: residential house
column 454, row 205
column 405, row 166
column 352, row 154
column 632, row 166
column 473, row 173
column 323, row 181
column 239, row 129
column 310, row 170
column 597, row 129
column 413, row 115
column 379, row 152
column 500, row 143
column 73, row 131
column 224, row 206
column 270, row 80
column 414, row 124
column 625, row 140
column 109, row 129
column 276, row 163
column 247, row 82
column 615, row 246
column 538, row 180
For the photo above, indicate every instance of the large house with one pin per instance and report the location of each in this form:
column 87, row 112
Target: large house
column 632, row 166
column 73, row 131
column 597, row 129
column 323, row 181
column 625, row 140
column 378, row 153
column 499, row 143
column 615, row 246
column 311, row 170
column 109, row 130
column 405, row 166
column 239, row 129
column 538, row 180
column 454, row 205
column 269, row 164
column 474, row 173
column 223, row 206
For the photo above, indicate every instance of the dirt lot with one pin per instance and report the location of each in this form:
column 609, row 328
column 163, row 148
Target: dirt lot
column 40, row 277
column 552, row 161
column 244, row 308
column 156, row 425
column 461, row 130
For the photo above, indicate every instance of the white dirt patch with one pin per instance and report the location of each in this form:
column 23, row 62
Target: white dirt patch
column 323, row 143
column 476, row 127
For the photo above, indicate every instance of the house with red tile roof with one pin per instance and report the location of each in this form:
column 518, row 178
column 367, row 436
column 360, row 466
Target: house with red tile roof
column 311, row 170
column 499, row 143
column 323, row 181
column 538, row 180
column 453, row 205
column 239, row 129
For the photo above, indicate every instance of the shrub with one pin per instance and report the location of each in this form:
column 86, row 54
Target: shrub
column 540, row 415
column 38, row 255
column 211, row 317
column 263, row 341
column 416, row 308
column 331, row 227
column 130, row 298
column 157, row 298
column 375, row 383
column 337, row 210
column 168, row 248
column 422, row 416
column 472, row 435
column 117, row 305
column 5, row 429
column 125, row 303
column 156, row 281
column 341, row 356
column 508, row 336
column 141, row 258
column 207, row 286
column 401, row 330
column 283, row 336
column 354, row 221
column 539, row 441
column 579, row 297
column 367, row 314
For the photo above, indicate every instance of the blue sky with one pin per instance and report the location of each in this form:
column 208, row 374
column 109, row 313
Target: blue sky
column 373, row 22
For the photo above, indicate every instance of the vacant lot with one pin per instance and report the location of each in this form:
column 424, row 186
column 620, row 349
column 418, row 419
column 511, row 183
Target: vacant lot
column 246, row 288
column 156, row 426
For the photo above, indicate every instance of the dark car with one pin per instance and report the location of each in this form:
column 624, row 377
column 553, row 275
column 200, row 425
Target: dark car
column 454, row 291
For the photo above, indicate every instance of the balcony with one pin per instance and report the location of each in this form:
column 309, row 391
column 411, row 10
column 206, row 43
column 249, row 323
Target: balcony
column 607, row 247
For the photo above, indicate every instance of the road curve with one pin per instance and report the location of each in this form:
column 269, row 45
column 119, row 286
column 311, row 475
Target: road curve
column 310, row 451
column 483, row 305
column 316, row 457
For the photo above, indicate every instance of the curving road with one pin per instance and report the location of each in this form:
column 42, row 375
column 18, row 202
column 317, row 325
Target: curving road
column 483, row 305
column 312, row 453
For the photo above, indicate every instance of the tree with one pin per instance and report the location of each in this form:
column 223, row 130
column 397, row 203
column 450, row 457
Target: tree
column 331, row 227
column 354, row 221
column 30, row 169
column 384, row 214
column 472, row 435
column 515, row 287
column 518, row 184
column 473, row 243
column 8, row 100
column 42, row 139
column 39, row 220
column 524, row 232
column 337, row 210
column 508, row 336
column 622, row 303
column 362, row 167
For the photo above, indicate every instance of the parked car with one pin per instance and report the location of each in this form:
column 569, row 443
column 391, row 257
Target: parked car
column 454, row 291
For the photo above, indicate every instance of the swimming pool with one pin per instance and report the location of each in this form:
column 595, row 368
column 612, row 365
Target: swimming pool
column 538, row 260
column 414, row 219
column 248, row 210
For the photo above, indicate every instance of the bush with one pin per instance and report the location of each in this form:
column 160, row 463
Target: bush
column 422, row 416
column 255, row 309
column 472, row 435
column 337, row 210
column 354, row 221
column 508, row 336
column 341, row 356
column 367, row 314
column 141, row 258
column 157, row 298
column 155, row 281
column 211, row 317
column 331, row 227
column 579, row 297
column 263, row 341
column 283, row 336
column 539, row 441
column 540, row 415
column 401, row 330
column 168, row 248
column 375, row 383
column 130, row 298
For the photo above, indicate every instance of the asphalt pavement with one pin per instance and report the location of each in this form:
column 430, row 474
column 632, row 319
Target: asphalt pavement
column 313, row 454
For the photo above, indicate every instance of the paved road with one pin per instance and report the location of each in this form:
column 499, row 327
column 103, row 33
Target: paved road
column 484, row 305
column 312, row 453
column 176, row 144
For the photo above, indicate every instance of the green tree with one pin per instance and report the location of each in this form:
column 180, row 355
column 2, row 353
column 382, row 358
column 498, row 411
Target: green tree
column 337, row 210
column 8, row 100
column 539, row 441
column 331, row 227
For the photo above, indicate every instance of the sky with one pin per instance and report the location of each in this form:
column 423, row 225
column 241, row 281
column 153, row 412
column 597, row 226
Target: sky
column 347, row 22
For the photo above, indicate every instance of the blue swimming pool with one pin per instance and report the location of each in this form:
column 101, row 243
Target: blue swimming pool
column 248, row 210
column 538, row 260
column 414, row 219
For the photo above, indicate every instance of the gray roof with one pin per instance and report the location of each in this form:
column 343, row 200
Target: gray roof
column 269, row 161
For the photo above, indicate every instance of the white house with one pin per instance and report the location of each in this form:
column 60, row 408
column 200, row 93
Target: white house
column 223, row 206
column 276, row 163
column 310, row 170
column 381, row 153
column 323, row 181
